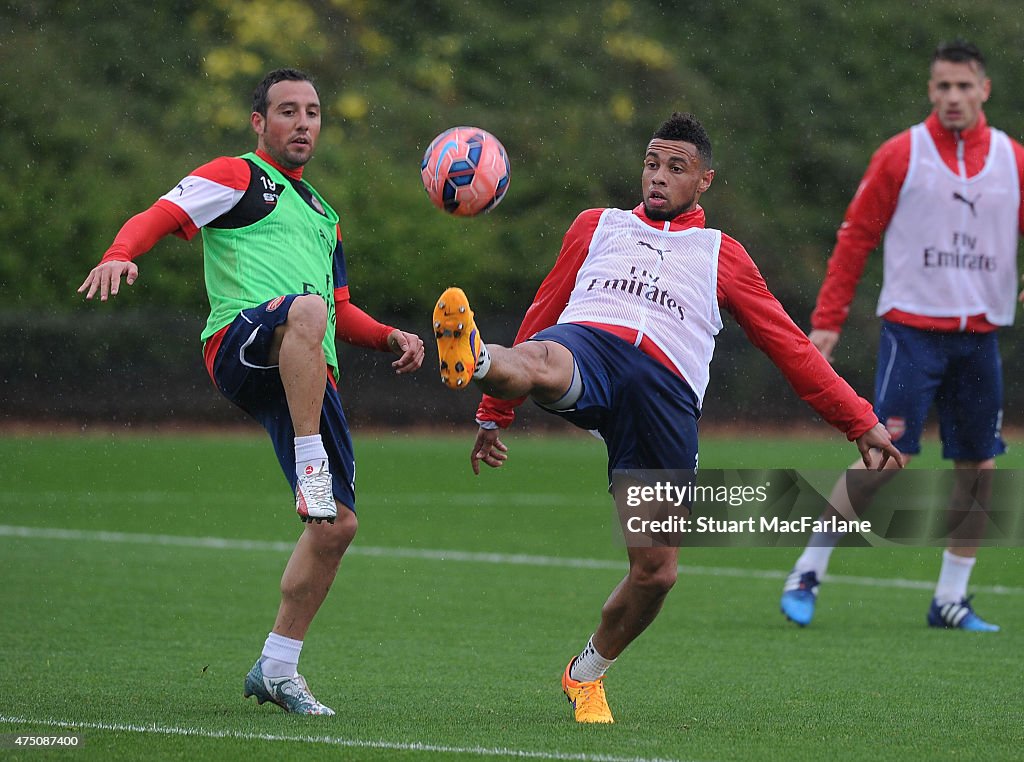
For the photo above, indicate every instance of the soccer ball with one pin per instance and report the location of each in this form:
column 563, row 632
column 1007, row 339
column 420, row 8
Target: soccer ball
column 465, row 171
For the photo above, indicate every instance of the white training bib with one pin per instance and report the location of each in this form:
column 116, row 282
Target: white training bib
column 661, row 283
column 951, row 247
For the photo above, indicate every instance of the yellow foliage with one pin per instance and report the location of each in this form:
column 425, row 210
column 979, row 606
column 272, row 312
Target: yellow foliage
column 636, row 49
column 272, row 22
column 374, row 43
column 435, row 76
column 355, row 9
column 257, row 31
column 223, row 64
column 226, row 115
column 616, row 12
column 351, row 106
column 622, row 108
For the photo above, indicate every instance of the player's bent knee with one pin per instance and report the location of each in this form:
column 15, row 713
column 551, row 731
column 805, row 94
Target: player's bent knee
column 549, row 366
column 346, row 525
column 308, row 313
column 655, row 577
column 334, row 539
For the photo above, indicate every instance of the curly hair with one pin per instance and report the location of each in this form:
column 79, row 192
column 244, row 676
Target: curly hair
column 687, row 128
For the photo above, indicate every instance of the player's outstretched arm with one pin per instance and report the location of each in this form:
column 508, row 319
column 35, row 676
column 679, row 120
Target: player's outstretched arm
column 137, row 236
column 488, row 448
column 877, row 438
column 409, row 348
column 105, row 278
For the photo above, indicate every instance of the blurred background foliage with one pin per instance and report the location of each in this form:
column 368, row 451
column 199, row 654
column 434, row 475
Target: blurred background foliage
column 105, row 106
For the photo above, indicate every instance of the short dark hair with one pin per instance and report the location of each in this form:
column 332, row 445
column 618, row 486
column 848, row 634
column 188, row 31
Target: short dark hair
column 686, row 127
column 959, row 51
column 259, row 95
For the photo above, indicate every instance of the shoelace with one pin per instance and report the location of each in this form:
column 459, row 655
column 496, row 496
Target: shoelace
column 808, row 583
column 802, row 582
column 318, row 488
column 593, row 690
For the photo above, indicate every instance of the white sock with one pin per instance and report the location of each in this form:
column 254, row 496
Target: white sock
column 589, row 665
column 483, row 362
column 309, row 451
column 816, row 555
column 953, row 578
column 280, row 656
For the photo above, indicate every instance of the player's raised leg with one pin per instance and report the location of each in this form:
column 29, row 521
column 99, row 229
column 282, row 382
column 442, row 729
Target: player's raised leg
column 543, row 370
column 297, row 349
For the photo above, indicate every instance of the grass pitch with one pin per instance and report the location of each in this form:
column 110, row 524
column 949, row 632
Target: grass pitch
column 139, row 579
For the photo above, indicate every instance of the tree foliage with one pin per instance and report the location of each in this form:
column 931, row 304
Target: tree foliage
column 106, row 106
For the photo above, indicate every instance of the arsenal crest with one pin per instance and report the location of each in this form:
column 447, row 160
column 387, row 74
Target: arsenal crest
column 896, row 427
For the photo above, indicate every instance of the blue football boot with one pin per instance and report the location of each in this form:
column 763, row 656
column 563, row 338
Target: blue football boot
column 799, row 595
column 958, row 616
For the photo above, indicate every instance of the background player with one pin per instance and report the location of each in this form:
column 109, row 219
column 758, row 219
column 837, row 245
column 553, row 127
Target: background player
column 947, row 195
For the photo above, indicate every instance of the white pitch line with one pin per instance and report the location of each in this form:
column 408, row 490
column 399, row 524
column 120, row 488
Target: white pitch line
column 166, row 497
column 351, row 743
column 429, row 554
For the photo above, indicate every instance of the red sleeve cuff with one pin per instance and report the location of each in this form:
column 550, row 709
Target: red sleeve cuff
column 862, row 427
column 501, row 412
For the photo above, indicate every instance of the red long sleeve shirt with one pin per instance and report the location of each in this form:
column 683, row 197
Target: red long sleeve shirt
column 741, row 290
column 872, row 208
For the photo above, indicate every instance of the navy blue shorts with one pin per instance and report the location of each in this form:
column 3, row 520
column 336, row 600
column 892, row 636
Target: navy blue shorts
column 960, row 372
column 243, row 375
column 646, row 414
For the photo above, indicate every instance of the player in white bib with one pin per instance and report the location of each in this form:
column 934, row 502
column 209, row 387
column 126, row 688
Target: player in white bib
column 947, row 195
column 618, row 340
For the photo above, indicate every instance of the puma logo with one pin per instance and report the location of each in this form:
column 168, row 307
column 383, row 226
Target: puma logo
column 969, row 202
column 661, row 252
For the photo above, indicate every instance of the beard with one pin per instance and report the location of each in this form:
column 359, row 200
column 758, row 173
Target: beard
column 669, row 212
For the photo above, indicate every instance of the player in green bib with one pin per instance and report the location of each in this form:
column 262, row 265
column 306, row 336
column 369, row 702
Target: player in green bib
column 279, row 300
